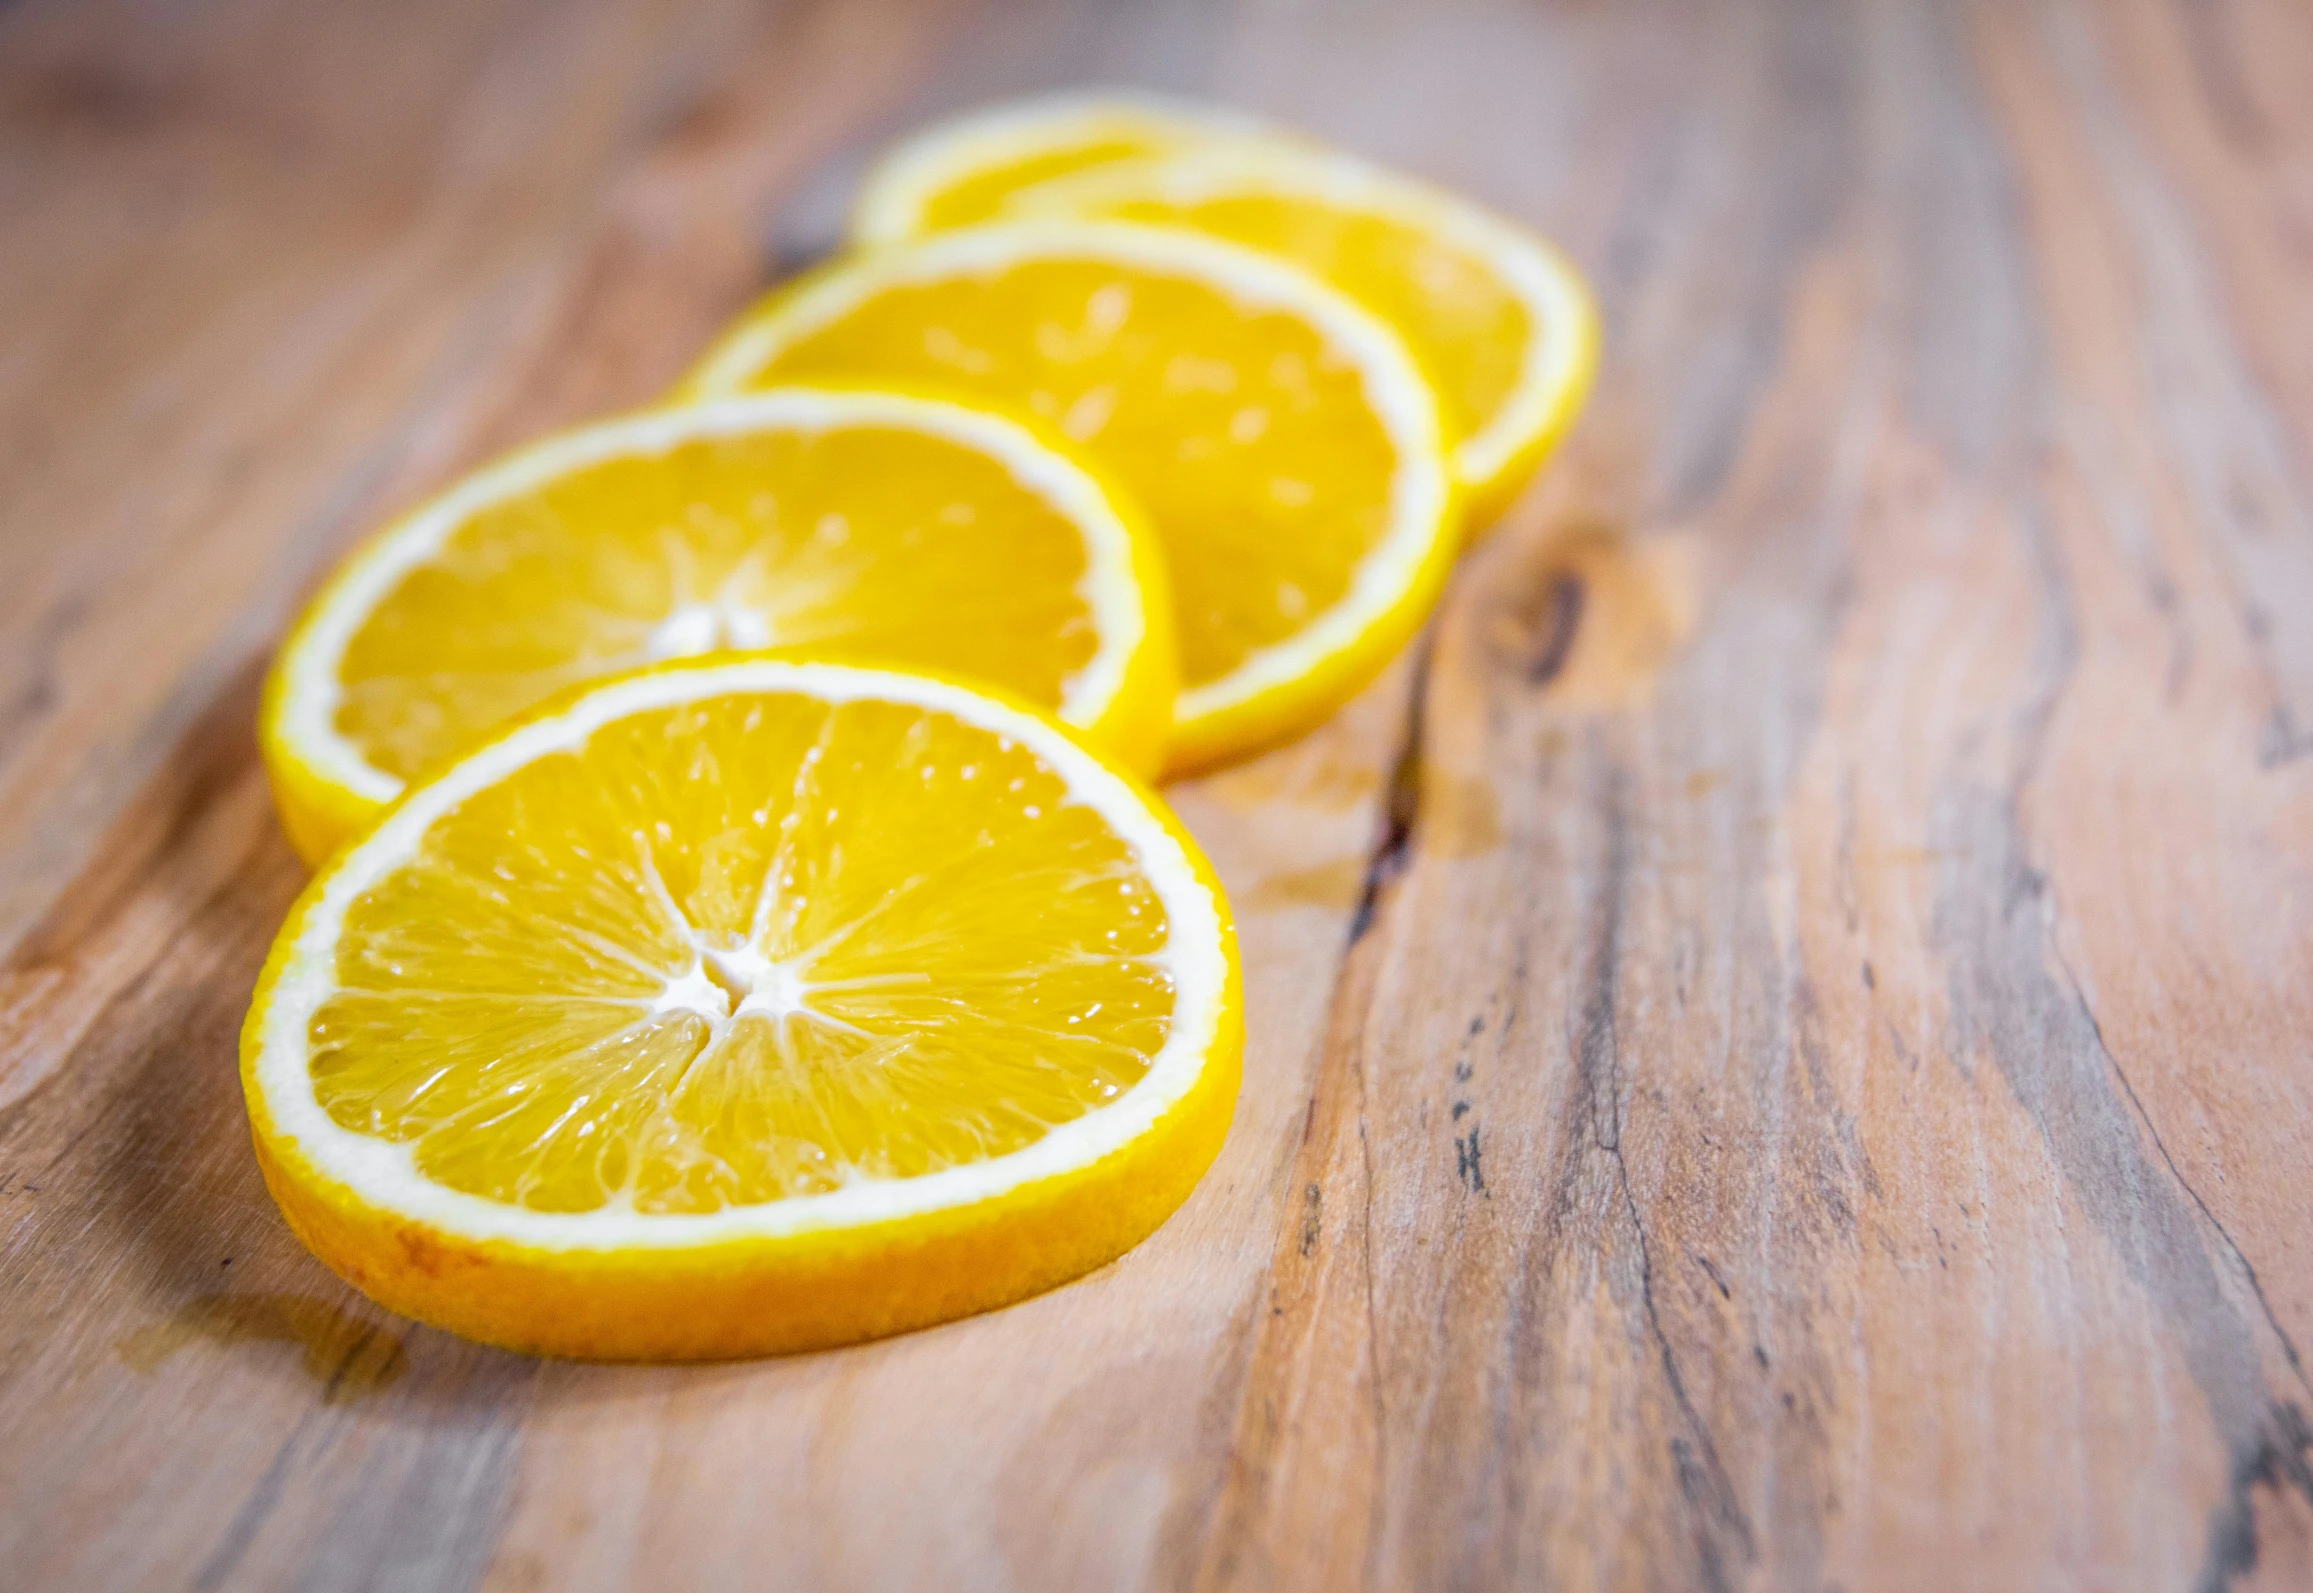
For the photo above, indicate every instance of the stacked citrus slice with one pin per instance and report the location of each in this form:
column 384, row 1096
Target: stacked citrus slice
column 964, row 170
column 1500, row 321
column 880, row 524
column 740, row 925
column 1286, row 446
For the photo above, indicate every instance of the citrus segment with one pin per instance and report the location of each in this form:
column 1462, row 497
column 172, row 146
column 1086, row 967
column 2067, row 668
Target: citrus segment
column 726, row 984
column 1284, row 443
column 880, row 524
column 1503, row 323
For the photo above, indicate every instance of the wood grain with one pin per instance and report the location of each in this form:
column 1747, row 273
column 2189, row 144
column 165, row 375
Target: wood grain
column 1779, row 1032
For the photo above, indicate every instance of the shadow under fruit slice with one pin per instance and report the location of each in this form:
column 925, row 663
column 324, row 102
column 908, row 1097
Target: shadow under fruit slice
column 746, row 1005
column 883, row 525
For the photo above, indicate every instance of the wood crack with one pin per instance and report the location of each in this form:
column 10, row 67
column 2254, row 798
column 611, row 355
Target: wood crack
column 2045, row 1035
column 2278, row 1456
column 1373, row 1338
column 1702, row 1479
column 2281, row 741
column 1401, row 801
column 1563, row 602
column 264, row 1495
column 2232, row 1248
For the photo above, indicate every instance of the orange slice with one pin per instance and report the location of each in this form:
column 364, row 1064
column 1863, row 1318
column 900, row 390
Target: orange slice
column 746, row 1005
column 879, row 524
column 1286, row 446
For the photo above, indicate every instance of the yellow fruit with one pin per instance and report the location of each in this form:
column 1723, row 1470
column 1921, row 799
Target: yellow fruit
column 1283, row 441
column 961, row 170
column 884, row 525
column 1504, row 324
column 743, row 1005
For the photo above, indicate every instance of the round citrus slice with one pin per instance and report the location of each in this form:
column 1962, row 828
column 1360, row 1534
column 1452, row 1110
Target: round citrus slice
column 961, row 170
column 879, row 524
column 1503, row 322
column 743, row 1005
column 1285, row 444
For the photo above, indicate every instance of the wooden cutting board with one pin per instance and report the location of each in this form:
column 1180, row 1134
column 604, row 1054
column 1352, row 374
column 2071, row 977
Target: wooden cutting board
column 1782, row 1046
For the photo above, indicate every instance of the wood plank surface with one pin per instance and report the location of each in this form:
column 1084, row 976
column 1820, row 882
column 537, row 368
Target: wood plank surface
column 1781, row 1047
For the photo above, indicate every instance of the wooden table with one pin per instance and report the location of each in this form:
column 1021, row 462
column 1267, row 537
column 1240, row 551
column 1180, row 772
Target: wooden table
column 1780, row 1035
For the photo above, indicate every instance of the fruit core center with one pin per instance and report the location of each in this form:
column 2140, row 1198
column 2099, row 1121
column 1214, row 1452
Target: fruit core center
column 695, row 628
column 735, row 982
